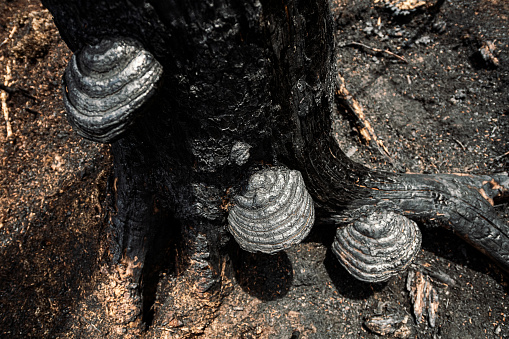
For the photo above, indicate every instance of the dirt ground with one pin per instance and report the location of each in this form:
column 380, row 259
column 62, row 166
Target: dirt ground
column 437, row 103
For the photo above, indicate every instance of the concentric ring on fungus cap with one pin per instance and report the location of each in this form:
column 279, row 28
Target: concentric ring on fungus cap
column 377, row 247
column 275, row 211
column 106, row 85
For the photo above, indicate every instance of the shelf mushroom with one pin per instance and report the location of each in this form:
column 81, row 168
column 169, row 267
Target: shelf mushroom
column 275, row 211
column 107, row 85
column 378, row 246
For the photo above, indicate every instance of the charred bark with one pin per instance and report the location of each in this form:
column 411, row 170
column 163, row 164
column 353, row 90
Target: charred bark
column 258, row 73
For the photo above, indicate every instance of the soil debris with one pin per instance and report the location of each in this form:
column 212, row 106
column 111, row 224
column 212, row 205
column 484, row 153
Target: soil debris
column 3, row 98
column 33, row 36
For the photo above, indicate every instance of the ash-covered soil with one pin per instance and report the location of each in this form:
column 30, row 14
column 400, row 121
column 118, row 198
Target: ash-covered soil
column 437, row 103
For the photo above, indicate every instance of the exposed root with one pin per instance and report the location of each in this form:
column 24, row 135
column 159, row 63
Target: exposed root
column 462, row 203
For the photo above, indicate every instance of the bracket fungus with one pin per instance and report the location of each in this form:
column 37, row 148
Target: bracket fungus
column 275, row 212
column 105, row 87
column 376, row 247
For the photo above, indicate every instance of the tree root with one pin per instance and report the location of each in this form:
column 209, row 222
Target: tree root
column 463, row 203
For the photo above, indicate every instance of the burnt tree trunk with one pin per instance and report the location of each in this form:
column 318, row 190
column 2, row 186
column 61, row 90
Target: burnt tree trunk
column 259, row 73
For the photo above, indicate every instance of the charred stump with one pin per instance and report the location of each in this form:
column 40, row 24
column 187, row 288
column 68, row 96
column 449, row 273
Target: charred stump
column 227, row 89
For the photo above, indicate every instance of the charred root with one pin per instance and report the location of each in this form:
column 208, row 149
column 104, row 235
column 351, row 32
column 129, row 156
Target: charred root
column 462, row 203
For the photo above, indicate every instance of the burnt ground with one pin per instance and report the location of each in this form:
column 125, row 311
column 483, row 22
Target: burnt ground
column 444, row 108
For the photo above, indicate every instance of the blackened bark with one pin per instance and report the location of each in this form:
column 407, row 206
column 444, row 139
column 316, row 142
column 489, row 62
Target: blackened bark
column 262, row 74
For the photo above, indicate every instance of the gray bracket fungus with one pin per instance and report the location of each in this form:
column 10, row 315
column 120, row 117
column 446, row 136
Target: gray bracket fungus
column 377, row 247
column 106, row 85
column 274, row 213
